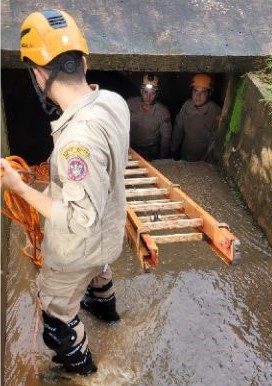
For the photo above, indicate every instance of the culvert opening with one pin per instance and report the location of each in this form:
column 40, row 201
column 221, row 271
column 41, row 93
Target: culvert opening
column 28, row 126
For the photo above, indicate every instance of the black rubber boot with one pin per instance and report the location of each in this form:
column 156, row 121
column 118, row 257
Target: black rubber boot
column 57, row 359
column 82, row 363
column 102, row 308
column 60, row 337
column 84, row 367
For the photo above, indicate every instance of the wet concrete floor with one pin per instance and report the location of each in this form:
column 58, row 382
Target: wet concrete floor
column 193, row 321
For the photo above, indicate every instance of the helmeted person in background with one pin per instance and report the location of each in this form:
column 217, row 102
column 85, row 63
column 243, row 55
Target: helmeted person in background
column 85, row 202
column 150, row 122
column 196, row 123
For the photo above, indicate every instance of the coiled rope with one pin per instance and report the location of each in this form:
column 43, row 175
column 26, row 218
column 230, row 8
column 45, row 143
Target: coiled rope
column 21, row 212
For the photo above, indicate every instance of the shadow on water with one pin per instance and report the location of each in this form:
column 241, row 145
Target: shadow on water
column 193, row 321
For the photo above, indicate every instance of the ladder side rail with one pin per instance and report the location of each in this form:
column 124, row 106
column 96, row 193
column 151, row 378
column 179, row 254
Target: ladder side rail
column 140, row 230
column 141, row 251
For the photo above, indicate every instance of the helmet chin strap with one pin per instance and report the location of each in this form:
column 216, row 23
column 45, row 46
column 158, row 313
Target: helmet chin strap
column 48, row 107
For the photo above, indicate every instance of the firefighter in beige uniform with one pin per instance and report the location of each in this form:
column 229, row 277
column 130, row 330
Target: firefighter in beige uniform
column 196, row 123
column 85, row 203
column 150, row 122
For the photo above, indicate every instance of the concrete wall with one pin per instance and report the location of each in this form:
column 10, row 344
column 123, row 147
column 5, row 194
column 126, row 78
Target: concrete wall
column 247, row 146
column 171, row 35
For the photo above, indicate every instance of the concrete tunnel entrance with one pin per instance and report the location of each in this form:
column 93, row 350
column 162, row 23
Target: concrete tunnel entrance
column 28, row 126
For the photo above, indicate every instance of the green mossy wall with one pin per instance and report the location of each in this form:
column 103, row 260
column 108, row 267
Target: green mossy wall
column 235, row 118
column 247, row 155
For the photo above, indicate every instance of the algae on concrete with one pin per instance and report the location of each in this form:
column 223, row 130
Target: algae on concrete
column 237, row 111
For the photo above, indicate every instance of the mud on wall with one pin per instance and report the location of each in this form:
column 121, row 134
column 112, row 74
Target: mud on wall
column 247, row 146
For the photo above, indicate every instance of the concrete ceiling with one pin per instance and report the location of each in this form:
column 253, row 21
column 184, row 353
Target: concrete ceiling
column 173, row 35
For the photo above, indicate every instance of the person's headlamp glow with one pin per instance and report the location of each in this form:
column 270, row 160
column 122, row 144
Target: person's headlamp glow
column 149, row 88
column 150, row 82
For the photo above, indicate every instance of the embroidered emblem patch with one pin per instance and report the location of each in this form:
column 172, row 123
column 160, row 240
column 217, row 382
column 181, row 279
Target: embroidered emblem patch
column 77, row 169
column 80, row 151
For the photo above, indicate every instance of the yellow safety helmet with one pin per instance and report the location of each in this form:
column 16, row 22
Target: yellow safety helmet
column 49, row 33
column 203, row 81
column 150, row 81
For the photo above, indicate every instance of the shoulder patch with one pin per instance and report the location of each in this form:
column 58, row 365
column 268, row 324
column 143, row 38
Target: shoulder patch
column 77, row 169
column 73, row 151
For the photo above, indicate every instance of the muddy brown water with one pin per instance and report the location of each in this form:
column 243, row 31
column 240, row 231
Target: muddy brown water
column 193, row 321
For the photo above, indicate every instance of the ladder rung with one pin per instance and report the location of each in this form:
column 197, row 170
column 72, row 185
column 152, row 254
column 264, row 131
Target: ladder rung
column 164, row 217
column 163, row 239
column 132, row 203
column 133, row 163
column 159, row 205
column 183, row 223
column 146, row 192
column 134, row 172
column 141, row 181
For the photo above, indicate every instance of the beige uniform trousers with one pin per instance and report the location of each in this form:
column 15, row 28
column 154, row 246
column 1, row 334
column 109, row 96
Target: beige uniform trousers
column 60, row 293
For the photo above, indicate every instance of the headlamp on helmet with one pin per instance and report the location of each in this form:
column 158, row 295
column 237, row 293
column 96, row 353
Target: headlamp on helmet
column 150, row 82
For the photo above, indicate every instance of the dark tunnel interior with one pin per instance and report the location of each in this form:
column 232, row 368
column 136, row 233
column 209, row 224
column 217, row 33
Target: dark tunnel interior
column 28, row 126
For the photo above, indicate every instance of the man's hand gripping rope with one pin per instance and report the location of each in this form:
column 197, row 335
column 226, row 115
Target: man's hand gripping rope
column 14, row 172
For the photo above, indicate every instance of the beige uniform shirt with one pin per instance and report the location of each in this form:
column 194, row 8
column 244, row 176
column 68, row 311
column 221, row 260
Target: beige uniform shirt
column 194, row 131
column 87, row 165
column 150, row 131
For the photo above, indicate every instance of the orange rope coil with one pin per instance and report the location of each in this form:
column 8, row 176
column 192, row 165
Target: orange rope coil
column 41, row 171
column 20, row 211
